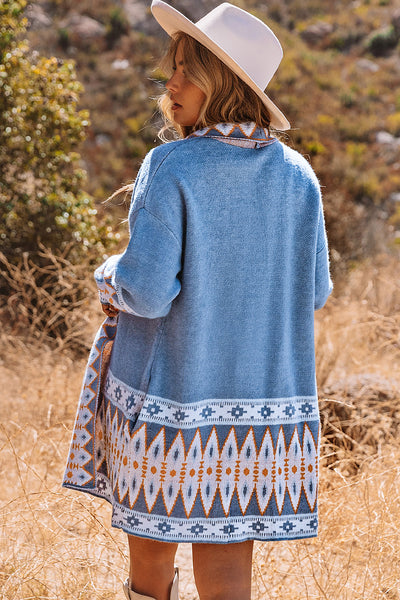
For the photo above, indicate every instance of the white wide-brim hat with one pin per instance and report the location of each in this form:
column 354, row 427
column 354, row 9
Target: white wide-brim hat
column 241, row 41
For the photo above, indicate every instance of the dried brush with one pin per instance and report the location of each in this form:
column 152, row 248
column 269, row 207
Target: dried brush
column 47, row 302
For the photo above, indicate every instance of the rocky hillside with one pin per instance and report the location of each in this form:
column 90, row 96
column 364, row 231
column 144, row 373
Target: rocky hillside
column 338, row 83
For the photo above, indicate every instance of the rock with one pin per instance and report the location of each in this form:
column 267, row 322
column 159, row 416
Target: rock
column 82, row 29
column 316, row 32
column 395, row 197
column 367, row 65
column 194, row 10
column 102, row 139
column 37, row 18
column 384, row 137
column 139, row 15
column 140, row 18
column 120, row 64
column 389, row 146
column 136, row 12
column 335, row 255
column 369, row 386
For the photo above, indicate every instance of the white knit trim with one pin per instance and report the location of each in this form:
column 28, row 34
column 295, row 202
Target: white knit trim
column 223, row 530
column 210, row 411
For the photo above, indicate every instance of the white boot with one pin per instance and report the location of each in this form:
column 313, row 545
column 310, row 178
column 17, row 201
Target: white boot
column 131, row 595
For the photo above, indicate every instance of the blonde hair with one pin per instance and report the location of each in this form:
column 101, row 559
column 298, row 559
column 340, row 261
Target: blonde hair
column 228, row 98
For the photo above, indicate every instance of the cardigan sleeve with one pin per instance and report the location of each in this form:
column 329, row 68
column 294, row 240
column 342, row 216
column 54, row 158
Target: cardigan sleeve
column 323, row 282
column 144, row 279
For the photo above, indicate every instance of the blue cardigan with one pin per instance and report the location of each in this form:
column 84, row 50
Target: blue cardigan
column 226, row 262
column 208, row 429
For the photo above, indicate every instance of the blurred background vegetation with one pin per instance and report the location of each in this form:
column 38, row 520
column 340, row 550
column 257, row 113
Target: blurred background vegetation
column 77, row 115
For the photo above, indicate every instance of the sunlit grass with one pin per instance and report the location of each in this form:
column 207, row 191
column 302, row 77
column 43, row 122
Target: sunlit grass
column 58, row 544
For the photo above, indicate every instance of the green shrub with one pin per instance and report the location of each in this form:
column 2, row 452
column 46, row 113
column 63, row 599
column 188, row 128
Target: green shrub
column 315, row 147
column 63, row 38
column 116, row 26
column 347, row 99
column 42, row 200
column 41, row 179
column 382, row 41
column 356, row 152
column 393, row 123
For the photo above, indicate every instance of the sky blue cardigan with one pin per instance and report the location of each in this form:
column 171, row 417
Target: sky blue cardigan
column 227, row 261
column 209, row 425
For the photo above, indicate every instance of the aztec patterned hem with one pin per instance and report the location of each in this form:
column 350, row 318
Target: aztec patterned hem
column 218, row 470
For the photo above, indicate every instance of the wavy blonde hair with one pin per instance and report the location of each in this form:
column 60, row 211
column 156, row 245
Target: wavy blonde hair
column 228, row 98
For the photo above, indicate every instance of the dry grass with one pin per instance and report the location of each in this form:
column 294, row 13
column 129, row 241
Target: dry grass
column 57, row 544
column 357, row 553
column 47, row 302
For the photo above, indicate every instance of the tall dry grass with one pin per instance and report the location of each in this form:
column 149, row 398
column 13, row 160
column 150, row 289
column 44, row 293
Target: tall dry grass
column 57, row 544
column 46, row 299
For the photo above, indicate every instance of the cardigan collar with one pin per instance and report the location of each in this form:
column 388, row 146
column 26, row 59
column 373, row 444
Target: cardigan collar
column 247, row 135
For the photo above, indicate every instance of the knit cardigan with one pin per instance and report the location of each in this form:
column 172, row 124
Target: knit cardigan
column 226, row 262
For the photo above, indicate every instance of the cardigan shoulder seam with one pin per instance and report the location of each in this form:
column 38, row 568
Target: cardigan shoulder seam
column 299, row 162
column 162, row 222
column 148, row 186
column 161, row 162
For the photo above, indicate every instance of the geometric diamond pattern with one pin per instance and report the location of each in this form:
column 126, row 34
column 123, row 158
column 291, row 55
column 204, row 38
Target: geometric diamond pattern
column 205, row 469
column 80, row 469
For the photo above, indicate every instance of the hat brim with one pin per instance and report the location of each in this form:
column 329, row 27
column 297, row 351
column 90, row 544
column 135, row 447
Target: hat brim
column 172, row 21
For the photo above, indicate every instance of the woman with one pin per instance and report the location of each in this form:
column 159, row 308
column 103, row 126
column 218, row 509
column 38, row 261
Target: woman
column 207, row 430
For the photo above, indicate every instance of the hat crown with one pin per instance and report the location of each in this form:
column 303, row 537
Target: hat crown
column 249, row 41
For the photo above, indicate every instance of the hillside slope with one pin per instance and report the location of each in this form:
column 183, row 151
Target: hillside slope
column 338, row 84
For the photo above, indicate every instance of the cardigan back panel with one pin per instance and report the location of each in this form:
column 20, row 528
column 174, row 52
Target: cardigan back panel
column 226, row 279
